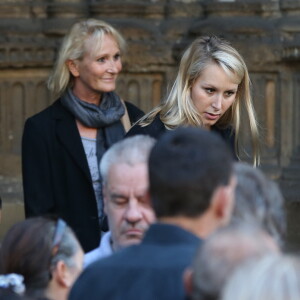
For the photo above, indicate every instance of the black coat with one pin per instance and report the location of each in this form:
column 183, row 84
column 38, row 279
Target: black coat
column 56, row 175
column 156, row 128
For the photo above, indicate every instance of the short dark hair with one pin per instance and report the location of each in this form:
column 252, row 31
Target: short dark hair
column 185, row 167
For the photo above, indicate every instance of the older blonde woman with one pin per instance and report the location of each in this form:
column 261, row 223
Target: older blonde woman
column 63, row 144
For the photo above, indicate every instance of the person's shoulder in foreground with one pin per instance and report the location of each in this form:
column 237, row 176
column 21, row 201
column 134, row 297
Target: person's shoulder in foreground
column 160, row 259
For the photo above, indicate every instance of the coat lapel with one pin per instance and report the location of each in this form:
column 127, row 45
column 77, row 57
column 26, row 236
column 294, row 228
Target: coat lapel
column 68, row 134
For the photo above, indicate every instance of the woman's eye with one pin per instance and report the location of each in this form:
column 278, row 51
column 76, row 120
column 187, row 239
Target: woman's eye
column 209, row 90
column 228, row 94
column 117, row 57
column 101, row 59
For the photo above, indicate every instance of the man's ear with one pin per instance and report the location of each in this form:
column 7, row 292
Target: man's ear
column 73, row 67
column 223, row 201
column 188, row 281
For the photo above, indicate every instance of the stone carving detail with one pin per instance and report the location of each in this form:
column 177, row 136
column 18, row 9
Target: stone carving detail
column 21, row 94
column 142, row 89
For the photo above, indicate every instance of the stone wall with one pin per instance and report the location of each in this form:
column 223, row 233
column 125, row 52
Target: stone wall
column 267, row 33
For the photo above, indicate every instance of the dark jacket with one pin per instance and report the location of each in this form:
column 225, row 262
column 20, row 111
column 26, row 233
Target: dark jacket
column 156, row 128
column 56, row 175
column 151, row 270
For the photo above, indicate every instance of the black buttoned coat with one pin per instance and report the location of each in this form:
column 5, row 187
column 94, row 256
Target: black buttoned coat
column 56, row 175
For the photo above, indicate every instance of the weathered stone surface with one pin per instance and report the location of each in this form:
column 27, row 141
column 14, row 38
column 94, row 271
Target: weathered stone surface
column 267, row 33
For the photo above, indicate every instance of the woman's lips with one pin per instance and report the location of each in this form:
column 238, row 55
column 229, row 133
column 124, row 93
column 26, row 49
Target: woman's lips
column 210, row 116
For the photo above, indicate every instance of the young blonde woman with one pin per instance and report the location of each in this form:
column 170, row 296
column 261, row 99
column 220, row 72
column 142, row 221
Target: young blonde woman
column 63, row 144
column 211, row 90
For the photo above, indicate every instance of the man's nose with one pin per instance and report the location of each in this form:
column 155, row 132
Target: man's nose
column 133, row 212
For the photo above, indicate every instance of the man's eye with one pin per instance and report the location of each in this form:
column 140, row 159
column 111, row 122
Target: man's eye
column 120, row 201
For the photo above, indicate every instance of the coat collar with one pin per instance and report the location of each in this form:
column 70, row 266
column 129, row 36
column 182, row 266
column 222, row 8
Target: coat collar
column 168, row 234
column 68, row 134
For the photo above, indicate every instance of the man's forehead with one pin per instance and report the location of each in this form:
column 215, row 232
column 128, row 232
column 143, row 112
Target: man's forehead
column 133, row 170
column 124, row 190
column 126, row 178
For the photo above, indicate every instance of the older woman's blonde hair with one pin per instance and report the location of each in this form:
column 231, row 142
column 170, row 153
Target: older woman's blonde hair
column 178, row 108
column 74, row 47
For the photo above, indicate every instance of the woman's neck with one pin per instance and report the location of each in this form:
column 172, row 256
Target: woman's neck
column 91, row 97
column 56, row 293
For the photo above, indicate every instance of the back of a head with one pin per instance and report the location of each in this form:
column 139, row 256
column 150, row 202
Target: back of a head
column 186, row 165
column 222, row 253
column 258, row 200
column 275, row 277
column 27, row 249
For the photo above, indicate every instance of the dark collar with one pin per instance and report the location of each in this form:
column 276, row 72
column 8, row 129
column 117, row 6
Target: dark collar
column 164, row 233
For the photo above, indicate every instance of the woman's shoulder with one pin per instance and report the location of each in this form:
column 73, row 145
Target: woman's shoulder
column 226, row 132
column 154, row 129
column 53, row 108
column 228, row 135
column 134, row 112
column 44, row 119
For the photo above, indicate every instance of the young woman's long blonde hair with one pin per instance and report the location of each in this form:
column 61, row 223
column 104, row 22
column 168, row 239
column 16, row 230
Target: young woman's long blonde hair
column 74, row 47
column 178, row 108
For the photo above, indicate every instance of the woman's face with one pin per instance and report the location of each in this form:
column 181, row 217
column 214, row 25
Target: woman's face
column 98, row 70
column 213, row 93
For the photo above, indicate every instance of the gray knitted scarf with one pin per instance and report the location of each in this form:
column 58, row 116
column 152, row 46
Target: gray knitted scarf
column 105, row 117
column 110, row 110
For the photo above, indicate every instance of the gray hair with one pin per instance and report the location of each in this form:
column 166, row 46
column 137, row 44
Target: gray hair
column 131, row 151
column 222, row 253
column 67, row 249
column 275, row 277
column 259, row 200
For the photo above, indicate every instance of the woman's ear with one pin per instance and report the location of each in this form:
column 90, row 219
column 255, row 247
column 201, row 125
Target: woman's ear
column 62, row 274
column 73, row 67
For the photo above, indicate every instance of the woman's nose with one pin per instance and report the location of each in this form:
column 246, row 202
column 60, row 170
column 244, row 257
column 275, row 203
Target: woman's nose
column 112, row 67
column 217, row 102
